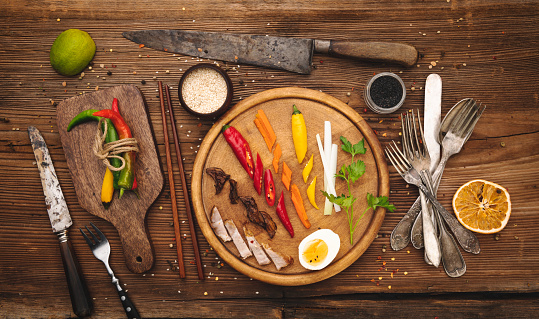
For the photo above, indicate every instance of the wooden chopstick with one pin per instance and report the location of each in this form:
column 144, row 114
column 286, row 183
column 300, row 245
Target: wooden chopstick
column 184, row 187
column 181, row 266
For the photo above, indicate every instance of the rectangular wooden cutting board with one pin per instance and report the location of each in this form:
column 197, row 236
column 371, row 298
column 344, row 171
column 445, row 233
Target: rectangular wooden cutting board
column 128, row 213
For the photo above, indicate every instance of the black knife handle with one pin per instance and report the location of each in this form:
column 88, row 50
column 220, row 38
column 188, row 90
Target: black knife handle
column 80, row 298
column 129, row 307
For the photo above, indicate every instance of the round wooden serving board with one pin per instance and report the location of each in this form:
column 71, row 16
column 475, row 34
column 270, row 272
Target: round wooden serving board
column 316, row 107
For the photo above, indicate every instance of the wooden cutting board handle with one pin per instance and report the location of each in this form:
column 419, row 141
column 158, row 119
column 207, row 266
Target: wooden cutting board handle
column 127, row 214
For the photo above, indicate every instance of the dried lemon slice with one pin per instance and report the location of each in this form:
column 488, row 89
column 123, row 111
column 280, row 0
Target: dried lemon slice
column 482, row 206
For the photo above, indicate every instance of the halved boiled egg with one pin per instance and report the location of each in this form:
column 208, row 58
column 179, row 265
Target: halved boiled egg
column 318, row 250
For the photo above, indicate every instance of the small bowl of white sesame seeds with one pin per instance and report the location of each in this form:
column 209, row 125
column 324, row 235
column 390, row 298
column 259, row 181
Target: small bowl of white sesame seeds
column 205, row 90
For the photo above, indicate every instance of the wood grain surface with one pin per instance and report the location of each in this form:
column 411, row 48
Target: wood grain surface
column 128, row 213
column 482, row 49
column 316, row 107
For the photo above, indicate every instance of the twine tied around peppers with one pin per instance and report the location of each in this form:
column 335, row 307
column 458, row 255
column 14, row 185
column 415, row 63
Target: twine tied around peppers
column 111, row 150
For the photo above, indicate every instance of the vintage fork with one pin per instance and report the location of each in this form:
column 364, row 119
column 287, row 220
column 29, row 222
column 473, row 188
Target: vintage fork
column 101, row 249
column 410, row 175
column 457, row 135
column 419, row 157
column 420, row 161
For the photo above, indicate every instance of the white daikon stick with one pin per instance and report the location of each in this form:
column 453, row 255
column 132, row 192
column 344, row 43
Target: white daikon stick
column 325, row 164
column 333, row 169
column 328, row 206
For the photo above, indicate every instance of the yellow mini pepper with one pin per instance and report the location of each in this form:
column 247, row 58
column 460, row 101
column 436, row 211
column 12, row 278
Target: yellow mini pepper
column 307, row 170
column 107, row 189
column 311, row 190
column 299, row 134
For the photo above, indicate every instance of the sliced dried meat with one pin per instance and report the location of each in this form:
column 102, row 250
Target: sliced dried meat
column 233, row 195
column 270, row 225
column 252, row 211
column 237, row 239
column 219, row 177
column 218, row 225
column 280, row 260
column 256, row 248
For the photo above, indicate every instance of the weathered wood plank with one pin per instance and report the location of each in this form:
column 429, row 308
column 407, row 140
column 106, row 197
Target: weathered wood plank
column 484, row 49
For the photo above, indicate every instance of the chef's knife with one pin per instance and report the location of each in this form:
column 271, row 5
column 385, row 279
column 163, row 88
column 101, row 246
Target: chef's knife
column 60, row 221
column 291, row 54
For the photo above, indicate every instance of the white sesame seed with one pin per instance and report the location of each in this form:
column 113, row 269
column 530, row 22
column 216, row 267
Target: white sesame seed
column 204, row 90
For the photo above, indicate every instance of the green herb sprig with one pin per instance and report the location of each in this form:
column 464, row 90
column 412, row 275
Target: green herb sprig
column 351, row 173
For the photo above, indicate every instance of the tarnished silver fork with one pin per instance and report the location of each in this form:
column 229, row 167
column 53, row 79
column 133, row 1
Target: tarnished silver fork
column 410, row 174
column 418, row 155
column 420, row 161
column 101, row 249
column 460, row 128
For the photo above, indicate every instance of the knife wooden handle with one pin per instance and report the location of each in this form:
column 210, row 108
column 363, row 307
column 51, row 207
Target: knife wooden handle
column 80, row 298
column 388, row 52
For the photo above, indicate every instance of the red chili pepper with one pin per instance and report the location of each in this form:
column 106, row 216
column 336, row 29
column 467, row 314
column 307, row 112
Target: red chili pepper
column 283, row 215
column 240, row 147
column 258, row 174
column 269, row 186
column 116, row 109
column 118, row 121
column 127, row 175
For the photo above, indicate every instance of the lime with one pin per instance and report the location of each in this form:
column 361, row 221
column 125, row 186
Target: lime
column 71, row 52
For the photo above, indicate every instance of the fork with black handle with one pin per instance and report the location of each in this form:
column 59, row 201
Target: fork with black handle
column 101, row 249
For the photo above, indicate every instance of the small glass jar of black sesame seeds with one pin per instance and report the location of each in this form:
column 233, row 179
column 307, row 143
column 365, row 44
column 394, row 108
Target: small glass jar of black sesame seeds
column 385, row 93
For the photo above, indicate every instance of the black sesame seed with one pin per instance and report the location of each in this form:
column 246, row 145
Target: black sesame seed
column 386, row 91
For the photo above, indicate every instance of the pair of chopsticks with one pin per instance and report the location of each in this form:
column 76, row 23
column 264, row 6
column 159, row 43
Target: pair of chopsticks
column 184, row 187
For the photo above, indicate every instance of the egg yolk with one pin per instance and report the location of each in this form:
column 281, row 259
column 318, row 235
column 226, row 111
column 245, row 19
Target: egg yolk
column 315, row 252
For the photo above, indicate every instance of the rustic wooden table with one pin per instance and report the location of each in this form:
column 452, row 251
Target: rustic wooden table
column 482, row 49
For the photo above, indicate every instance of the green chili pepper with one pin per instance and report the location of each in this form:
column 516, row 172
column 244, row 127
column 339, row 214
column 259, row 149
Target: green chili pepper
column 127, row 175
column 112, row 136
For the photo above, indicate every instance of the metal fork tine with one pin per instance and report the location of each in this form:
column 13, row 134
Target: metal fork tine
column 404, row 139
column 469, row 129
column 461, row 129
column 424, row 148
column 461, row 122
column 101, row 235
column 468, row 105
column 393, row 162
column 400, row 156
column 93, row 236
column 412, row 152
column 90, row 243
column 416, row 138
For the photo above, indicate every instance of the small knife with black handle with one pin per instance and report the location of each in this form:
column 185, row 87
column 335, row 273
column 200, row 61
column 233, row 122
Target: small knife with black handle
column 60, row 222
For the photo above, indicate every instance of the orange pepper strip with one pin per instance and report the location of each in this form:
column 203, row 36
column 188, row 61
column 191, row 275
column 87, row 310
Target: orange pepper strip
column 286, row 176
column 277, row 152
column 300, row 208
column 264, row 133
column 267, row 126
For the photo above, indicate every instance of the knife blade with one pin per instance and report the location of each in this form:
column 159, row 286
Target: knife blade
column 433, row 117
column 60, row 221
column 285, row 53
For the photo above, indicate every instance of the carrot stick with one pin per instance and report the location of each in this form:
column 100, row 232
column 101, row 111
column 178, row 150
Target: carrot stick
column 300, row 208
column 286, row 176
column 267, row 126
column 264, row 133
column 277, row 152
